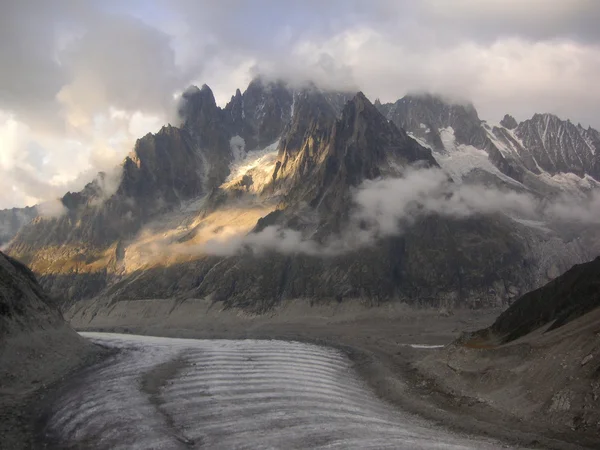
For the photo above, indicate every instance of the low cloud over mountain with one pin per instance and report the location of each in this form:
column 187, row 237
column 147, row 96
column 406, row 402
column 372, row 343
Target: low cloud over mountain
column 90, row 78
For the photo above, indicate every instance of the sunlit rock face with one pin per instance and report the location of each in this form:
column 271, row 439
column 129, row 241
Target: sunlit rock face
column 256, row 203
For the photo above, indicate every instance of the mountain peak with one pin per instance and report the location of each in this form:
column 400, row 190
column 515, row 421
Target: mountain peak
column 545, row 116
column 360, row 96
column 509, row 122
column 193, row 93
column 197, row 105
column 361, row 102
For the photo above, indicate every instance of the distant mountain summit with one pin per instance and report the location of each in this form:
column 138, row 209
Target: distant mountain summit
column 542, row 145
column 241, row 205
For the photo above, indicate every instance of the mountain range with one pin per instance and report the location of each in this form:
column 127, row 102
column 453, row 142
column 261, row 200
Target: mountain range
column 297, row 192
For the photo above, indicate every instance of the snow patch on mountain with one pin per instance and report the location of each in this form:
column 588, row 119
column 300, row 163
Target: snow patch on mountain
column 421, row 141
column 537, row 224
column 448, row 139
column 459, row 160
column 264, row 160
column 569, row 182
column 507, row 150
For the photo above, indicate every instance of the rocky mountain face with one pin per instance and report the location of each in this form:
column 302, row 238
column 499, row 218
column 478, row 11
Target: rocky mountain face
column 254, row 203
column 261, row 112
column 444, row 125
column 426, row 115
column 559, row 146
column 12, row 220
column 565, row 299
column 162, row 169
column 542, row 145
column 321, row 160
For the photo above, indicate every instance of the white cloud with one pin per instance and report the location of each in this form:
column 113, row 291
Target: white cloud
column 571, row 210
column 39, row 167
column 51, row 209
column 388, row 207
column 81, row 67
column 508, row 75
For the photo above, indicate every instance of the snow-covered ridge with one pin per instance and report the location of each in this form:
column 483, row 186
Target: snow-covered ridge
column 459, row 160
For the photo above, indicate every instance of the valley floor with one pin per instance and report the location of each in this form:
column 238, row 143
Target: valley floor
column 384, row 343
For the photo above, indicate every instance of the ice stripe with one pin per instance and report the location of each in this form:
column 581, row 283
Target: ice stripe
column 234, row 395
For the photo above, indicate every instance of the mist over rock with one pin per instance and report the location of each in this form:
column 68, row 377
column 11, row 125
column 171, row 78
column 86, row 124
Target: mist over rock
column 12, row 220
column 260, row 202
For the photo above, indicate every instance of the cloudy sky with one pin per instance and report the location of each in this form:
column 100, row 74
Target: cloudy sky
column 82, row 79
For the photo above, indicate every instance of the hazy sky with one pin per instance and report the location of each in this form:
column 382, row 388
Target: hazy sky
column 82, row 79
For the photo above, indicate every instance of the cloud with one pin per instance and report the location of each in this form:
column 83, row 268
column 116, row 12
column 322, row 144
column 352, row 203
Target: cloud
column 118, row 62
column 35, row 168
column 51, row 209
column 69, row 65
column 237, row 146
column 532, row 19
column 272, row 238
column 388, row 207
column 567, row 209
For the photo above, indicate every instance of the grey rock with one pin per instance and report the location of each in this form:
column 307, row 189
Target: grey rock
column 23, row 304
column 509, row 122
column 559, row 146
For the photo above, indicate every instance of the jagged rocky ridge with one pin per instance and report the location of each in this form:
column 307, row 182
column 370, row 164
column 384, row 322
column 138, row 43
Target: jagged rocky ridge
column 324, row 147
column 543, row 144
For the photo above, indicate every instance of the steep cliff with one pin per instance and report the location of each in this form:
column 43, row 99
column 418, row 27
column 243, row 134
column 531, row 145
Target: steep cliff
column 256, row 203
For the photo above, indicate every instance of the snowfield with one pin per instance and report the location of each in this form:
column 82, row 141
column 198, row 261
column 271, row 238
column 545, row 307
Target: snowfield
column 163, row 393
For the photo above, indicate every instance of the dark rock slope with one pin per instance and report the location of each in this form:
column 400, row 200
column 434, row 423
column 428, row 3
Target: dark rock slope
column 566, row 298
column 539, row 361
column 37, row 348
column 23, row 304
